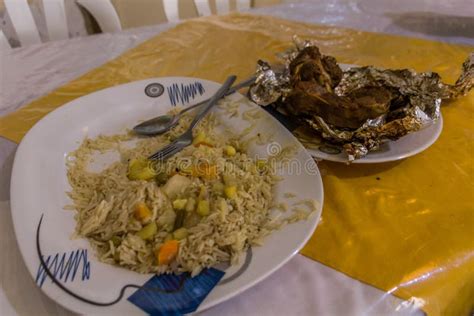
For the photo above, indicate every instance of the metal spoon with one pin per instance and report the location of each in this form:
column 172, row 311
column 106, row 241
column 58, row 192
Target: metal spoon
column 163, row 123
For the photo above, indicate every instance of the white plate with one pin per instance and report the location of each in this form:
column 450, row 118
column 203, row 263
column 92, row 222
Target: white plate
column 39, row 186
column 404, row 147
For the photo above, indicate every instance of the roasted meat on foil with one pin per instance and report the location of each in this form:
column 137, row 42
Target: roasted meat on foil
column 357, row 109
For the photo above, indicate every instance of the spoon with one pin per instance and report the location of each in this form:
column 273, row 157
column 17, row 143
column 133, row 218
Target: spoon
column 163, row 123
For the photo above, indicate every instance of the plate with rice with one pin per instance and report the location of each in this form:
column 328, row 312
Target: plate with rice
column 103, row 229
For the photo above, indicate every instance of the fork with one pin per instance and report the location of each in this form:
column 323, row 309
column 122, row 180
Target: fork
column 186, row 138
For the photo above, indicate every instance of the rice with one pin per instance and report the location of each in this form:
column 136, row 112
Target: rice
column 105, row 201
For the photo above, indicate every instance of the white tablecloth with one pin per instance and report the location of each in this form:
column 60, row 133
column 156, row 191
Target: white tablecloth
column 301, row 287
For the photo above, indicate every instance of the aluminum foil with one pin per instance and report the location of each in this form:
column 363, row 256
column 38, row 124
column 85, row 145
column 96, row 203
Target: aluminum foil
column 420, row 94
column 271, row 83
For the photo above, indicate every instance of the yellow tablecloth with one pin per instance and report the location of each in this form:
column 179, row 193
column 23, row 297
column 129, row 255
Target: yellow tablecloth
column 406, row 227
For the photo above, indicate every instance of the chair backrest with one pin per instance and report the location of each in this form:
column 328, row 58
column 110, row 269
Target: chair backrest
column 24, row 24
column 222, row 7
column 55, row 15
column 243, row 4
column 102, row 10
column 202, row 7
column 104, row 13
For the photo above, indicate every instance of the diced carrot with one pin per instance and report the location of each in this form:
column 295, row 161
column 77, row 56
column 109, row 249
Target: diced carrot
column 167, row 252
column 142, row 212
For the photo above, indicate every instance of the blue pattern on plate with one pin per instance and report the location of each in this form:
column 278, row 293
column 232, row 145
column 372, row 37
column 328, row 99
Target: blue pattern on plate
column 64, row 267
column 170, row 294
column 184, row 92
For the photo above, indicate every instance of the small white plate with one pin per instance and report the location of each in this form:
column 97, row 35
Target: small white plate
column 39, row 186
column 408, row 145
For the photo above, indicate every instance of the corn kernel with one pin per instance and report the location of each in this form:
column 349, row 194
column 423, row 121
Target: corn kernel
column 200, row 137
column 230, row 150
column 180, row 204
column 218, row 188
column 203, row 208
column 140, row 169
column 180, row 233
column 230, row 191
column 148, row 231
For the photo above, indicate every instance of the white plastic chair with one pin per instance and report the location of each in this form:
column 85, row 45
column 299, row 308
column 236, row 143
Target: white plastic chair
column 55, row 16
column 104, row 13
column 202, row 6
column 243, row 4
column 23, row 22
column 102, row 10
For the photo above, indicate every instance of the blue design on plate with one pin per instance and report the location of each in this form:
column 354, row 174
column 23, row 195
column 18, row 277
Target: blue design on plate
column 181, row 93
column 65, row 267
column 170, row 294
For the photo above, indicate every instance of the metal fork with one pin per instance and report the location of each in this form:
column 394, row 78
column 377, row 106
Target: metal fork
column 186, row 138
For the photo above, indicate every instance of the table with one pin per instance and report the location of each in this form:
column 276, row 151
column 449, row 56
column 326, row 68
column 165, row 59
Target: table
column 302, row 286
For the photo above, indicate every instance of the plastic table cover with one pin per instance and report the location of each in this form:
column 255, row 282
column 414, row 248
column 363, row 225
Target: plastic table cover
column 405, row 227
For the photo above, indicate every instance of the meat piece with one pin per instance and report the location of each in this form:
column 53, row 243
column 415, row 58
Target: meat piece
column 313, row 79
column 308, row 99
column 310, row 65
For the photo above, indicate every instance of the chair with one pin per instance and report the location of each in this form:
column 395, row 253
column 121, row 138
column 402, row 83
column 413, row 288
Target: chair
column 203, row 8
column 27, row 31
column 23, row 22
column 103, row 12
